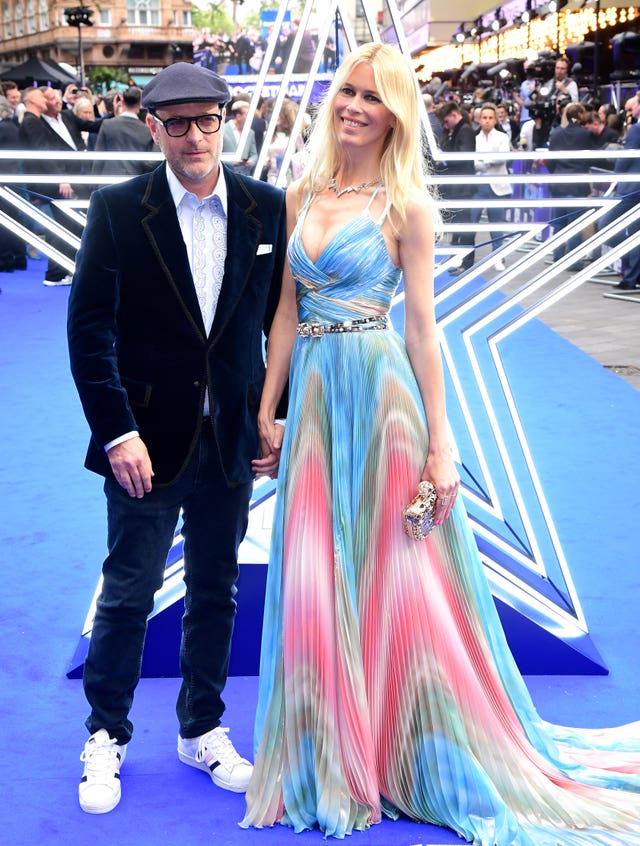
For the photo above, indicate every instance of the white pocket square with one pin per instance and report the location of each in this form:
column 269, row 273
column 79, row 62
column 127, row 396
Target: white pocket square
column 264, row 248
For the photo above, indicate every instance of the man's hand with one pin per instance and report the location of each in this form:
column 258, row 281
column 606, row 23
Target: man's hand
column 66, row 190
column 270, row 448
column 131, row 466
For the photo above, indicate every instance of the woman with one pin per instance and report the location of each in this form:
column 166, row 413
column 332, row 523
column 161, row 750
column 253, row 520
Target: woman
column 386, row 683
column 280, row 140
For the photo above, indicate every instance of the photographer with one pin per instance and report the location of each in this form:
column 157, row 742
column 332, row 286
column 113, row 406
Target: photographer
column 561, row 85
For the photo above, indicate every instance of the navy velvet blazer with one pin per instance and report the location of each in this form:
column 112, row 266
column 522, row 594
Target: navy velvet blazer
column 139, row 353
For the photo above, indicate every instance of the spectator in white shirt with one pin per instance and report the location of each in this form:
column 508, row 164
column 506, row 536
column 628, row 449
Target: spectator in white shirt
column 491, row 140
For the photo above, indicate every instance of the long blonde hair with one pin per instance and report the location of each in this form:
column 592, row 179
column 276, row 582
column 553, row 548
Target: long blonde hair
column 402, row 162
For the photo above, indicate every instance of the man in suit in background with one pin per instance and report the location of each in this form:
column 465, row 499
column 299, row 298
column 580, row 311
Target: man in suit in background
column 628, row 197
column 177, row 277
column 458, row 137
column 38, row 135
column 125, row 133
column 573, row 136
column 247, row 158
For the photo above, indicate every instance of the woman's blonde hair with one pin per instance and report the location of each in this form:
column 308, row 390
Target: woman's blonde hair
column 402, row 162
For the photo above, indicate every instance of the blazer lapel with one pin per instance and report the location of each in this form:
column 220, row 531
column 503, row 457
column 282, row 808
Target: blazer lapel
column 243, row 236
column 162, row 228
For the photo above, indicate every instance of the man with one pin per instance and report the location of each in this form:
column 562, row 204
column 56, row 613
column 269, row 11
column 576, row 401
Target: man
column 259, row 124
column 628, row 197
column 561, row 86
column 66, row 129
column 12, row 247
column 243, row 49
column 458, row 137
column 12, row 93
column 125, row 133
column 178, row 273
column 37, row 135
column 491, row 140
column 602, row 134
column 435, row 124
column 630, row 110
column 573, row 136
column 247, row 158
column 510, row 126
column 71, row 94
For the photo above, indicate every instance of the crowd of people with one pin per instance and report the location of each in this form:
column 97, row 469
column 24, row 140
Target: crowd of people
column 246, row 50
column 536, row 114
column 543, row 115
column 48, row 118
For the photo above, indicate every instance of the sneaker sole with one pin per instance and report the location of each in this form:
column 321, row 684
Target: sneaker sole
column 200, row 765
column 102, row 809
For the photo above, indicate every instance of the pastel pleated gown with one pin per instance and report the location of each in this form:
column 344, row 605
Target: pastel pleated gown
column 386, row 684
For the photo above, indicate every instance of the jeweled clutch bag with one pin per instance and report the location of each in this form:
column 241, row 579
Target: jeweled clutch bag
column 417, row 518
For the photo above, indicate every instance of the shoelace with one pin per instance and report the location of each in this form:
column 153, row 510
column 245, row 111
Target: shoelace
column 99, row 757
column 218, row 744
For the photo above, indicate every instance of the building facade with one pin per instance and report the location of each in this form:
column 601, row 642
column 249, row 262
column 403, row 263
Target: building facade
column 140, row 36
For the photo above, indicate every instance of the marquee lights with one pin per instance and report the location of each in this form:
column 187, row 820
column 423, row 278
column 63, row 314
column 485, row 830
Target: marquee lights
column 555, row 31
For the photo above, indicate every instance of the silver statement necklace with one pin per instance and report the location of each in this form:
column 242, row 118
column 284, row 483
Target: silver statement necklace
column 355, row 188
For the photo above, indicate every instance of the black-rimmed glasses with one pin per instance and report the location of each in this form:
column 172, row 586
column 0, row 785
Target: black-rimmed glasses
column 178, row 126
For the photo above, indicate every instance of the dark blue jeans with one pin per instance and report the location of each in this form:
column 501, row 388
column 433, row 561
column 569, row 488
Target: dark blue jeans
column 562, row 217
column 494, row 214
column 140, row 534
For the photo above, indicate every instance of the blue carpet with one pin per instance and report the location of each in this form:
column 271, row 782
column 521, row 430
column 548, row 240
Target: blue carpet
column 585, row 440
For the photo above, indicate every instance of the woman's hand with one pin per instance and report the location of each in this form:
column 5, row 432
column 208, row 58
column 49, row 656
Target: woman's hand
column 270, row 435
column 440, row 470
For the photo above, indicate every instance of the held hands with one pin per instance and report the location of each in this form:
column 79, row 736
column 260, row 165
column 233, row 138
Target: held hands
column 440, row 470
column 270, row 435
column 131, row 466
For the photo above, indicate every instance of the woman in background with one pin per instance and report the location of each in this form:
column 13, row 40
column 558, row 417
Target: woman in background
column 280, row 141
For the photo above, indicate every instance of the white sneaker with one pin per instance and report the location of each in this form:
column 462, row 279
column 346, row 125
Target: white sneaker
column 99, row 789
column 56, row 283
column 499, row 265
column 214, row 753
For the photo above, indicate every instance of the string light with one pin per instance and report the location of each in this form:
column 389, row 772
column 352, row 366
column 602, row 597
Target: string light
column 559, row 28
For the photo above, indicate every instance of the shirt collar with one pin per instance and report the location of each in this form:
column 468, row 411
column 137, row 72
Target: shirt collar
column 179, row 192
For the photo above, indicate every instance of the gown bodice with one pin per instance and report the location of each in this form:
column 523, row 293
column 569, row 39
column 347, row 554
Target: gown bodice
column 353, row 276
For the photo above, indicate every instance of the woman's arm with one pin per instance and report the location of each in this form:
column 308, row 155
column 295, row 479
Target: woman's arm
column 423, row 347
column 281, row 338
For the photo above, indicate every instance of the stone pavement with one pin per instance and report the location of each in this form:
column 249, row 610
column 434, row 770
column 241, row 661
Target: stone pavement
column 606, row 328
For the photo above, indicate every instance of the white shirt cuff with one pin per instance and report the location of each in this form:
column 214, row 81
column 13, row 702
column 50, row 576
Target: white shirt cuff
column 127, row 437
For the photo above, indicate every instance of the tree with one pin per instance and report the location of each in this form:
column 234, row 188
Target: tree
column 254, row 21
column 215, row 18
column 103, row 78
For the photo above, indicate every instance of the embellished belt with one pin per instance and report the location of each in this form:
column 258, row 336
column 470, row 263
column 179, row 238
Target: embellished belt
column 316, row 330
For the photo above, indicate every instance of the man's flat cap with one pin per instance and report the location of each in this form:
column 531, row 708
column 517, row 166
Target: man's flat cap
column 185, row 83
